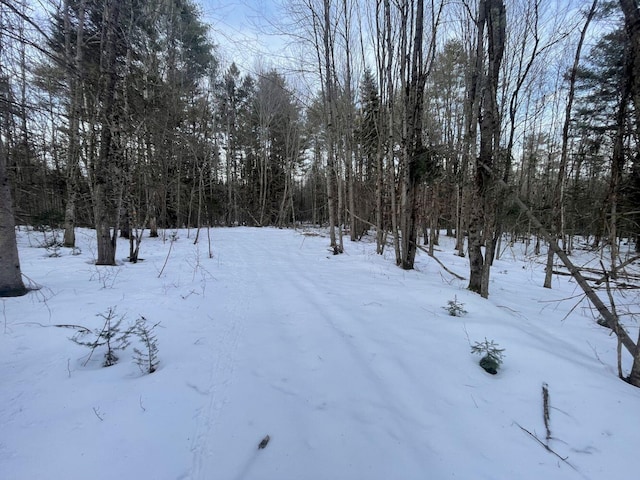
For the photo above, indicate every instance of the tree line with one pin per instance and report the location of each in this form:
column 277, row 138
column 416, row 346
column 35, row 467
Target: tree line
column 421, row 116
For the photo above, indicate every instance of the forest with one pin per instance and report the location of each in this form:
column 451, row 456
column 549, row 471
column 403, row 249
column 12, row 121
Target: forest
column 492, row 121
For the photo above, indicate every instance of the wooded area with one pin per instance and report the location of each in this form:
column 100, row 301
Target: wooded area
column 494, row 121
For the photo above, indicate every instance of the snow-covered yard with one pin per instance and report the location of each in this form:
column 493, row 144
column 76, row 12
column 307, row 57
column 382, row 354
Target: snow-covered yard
column 351, row 365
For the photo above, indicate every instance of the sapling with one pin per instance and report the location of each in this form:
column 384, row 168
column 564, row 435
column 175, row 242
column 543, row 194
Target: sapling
column 455, row 308
column 174, row 238
column 147, row 357
column 492, row 356
column 53, row 250
column 110, row 336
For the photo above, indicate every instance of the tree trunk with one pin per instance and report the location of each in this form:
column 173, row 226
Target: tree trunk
column 491, row 14
column 631, row 11
column 634, row 376
column 105, row 172
column 548, row 270
column 74, row 78
column 476, row 260
column 476, row 216
column 348, row 130
column 386, row 113
column 153, row 226
column 460, row 224
column 379, row 194
column 69, row 237
column 11, row 284
column 329, row 115
column 416, row 159
column 340, row 210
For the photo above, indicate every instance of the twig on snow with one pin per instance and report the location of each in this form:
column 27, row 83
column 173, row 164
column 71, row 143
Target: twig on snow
column 546, row 447
column 95, row 410
column 59, row 325
column 545, row 410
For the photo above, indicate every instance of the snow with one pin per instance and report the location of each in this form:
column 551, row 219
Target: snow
column 351, row 365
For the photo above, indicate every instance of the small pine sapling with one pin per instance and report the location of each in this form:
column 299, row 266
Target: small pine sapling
column 455, row 308
column 53, row 251
column 492, row 356
column 147, row 357
column 110, row 336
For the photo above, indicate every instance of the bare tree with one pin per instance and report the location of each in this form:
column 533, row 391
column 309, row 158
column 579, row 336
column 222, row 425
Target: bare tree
column 558, row 193
column 417, row 162
column 11, row 284
column 106, row 198
column 631, row 11
column 73, row 62
column 329, row 96
column 490, row 45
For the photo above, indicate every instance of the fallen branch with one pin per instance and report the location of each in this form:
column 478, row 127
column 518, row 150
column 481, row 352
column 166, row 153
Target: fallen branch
column 599, row 281
column 545, row 410
column 425, row 250
column 567, row 274
column 621, row 286
column 607, row 315
column 602, row 279
column 361, row 219
column 546, row 447
column 620, row 267
column 60, row 325
column 97, row 412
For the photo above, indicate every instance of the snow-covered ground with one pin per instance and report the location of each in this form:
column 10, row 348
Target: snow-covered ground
column 351, row 365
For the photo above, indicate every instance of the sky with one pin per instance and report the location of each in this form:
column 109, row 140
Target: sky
column 253, row 35
column 243, row 31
